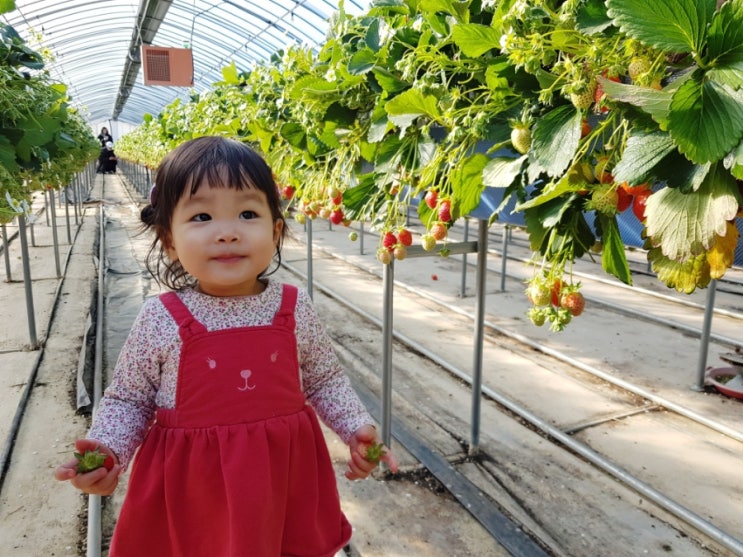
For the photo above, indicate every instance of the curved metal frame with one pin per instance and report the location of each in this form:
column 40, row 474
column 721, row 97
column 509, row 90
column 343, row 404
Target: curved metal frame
column 95, row 43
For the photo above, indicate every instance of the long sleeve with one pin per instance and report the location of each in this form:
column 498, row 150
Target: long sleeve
column 325, row 383
column 128, row 404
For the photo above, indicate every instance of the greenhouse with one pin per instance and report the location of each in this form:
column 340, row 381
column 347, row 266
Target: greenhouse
column 371, row 278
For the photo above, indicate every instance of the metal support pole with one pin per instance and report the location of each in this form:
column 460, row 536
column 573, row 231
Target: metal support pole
column 704, row 340
column 6, row 254
column 463, row 284
column 482, row 253
column 387, row 332
column 54, row 234
column 310, row 280
column 504, row 257
column 361, row 239
column 27, row 282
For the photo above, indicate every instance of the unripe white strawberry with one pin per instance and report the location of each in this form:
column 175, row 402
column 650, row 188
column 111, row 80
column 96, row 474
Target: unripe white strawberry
column 521, row 138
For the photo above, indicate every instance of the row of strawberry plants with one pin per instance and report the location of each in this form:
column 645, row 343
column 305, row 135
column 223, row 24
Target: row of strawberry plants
column 43, row 141
column 580, row 109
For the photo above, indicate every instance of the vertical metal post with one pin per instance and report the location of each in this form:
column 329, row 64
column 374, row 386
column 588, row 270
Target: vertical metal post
column 361, row 239
column 310, row 279
column 6, row 254
column 54, row 233
column 463, row 284
column 482, row 253
column 504, row 257
column 27, row 282
column 387, row 332
column 67, row 219
column 706, row 332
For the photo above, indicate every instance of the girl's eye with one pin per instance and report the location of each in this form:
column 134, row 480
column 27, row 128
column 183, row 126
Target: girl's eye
column 248, row 215
column 201, row 217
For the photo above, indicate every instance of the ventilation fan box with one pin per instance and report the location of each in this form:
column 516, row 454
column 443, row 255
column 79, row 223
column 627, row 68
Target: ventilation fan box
column 167, row 66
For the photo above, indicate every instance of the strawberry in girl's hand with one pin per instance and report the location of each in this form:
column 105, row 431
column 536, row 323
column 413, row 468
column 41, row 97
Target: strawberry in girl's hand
column 92, row 460
column 375, row 452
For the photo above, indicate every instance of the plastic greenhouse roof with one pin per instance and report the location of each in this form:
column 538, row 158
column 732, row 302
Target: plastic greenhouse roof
column 95, row 44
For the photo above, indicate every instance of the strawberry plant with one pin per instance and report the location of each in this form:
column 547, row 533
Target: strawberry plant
column 417, row 103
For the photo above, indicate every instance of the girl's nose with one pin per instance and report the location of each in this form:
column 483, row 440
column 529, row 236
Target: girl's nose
column 227, row 235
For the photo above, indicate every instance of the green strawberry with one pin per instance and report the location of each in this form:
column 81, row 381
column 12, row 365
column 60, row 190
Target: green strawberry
column 375, row 452
column 521, row 138
column 92, row 460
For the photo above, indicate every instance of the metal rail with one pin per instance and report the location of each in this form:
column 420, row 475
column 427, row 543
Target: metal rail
column 597, row 460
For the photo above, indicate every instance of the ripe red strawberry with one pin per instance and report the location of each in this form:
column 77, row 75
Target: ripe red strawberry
column 92, row 460
column 521, row 138
column 585, row 128
column 438, row 231
column 573, row 302
column 405, row 237
column 288, row 192
column 336, row 216
column 624, row 200
column 432, row 197
column 389, row 240
column 634, row 190
column 445, row 211
column 557, row 286
column 638, row 205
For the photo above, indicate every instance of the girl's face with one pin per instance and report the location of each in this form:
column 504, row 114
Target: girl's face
column 225, row 238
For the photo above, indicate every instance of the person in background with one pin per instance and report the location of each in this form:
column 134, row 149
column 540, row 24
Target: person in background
column 107, row 160
column 221, row 380
column 104, row 137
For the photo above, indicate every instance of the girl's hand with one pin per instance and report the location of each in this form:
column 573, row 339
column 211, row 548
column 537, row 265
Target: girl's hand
column 358, row 466
column 100, row 481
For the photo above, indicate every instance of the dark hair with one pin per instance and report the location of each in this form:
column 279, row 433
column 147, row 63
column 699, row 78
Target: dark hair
column 213, row 160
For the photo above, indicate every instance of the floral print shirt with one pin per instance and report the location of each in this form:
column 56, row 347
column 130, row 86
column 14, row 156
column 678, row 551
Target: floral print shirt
column 146, row 373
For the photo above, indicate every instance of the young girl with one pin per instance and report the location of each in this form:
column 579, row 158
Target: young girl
column 219, row 381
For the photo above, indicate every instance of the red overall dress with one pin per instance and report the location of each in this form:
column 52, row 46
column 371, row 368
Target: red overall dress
column 239, row 468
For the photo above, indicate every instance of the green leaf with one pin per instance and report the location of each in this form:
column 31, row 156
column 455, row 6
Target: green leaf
column 655, row 102
column 644, row 150
column 734, row 162
column 685, row 225
column 467, row 184
column 457, row 8
column 388, row 81
column 706, row 119
column 7, row 6
column 675, row 25
column 591, row 18
column 613, row 256
column 725, row 45
column 684, row 276
column 294, row 134
column 411, row 104
column 554, row 141
column 230, row 74
column 474, row 39
column 500, row 172
column 362, row 61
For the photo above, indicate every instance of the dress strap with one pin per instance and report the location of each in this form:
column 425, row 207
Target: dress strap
column 187, row 324
column 285, row 315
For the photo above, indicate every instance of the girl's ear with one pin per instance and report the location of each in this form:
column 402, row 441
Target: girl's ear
column 278, row 226
column 169, row 248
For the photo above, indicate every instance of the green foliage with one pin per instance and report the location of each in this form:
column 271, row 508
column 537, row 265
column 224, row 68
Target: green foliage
column 43, row 142
column 421, row 95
